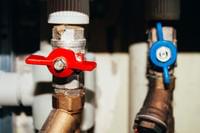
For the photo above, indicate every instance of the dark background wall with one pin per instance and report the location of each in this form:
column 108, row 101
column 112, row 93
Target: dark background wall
column 19, row 25
column 114, row 25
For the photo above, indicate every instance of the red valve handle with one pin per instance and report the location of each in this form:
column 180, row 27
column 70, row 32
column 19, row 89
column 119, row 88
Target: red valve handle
column 68, row 58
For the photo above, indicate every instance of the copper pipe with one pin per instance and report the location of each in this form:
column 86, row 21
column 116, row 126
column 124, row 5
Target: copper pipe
column 60, row 121
column 156, row 114
column 66, row 115
column 157, row 107
column 78, row 130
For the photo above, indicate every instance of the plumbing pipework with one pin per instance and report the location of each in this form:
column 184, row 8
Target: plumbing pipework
column 156, row 114
column 66, row 62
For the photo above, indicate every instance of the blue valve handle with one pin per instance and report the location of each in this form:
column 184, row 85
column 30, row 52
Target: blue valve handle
column 161, row 43
column 166, row 75
column 159, row 32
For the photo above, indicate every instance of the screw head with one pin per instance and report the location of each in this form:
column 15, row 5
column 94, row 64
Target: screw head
column 163, row 54
column 60, row 64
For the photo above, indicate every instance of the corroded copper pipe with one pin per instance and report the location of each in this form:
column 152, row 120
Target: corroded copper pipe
column 156, row 113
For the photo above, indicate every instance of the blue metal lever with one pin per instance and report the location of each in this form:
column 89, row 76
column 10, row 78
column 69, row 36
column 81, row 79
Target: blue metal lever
column 163, row 54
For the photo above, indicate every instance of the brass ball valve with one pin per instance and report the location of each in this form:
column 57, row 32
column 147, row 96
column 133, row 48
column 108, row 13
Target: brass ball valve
column 62, row 62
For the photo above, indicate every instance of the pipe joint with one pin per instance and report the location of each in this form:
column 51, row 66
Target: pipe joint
column 71, row 101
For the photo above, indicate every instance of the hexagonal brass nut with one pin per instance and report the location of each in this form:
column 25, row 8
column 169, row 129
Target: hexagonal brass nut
column 71, row 104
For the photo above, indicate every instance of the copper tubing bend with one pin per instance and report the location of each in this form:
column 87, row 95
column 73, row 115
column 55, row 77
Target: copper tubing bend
column 156, row 115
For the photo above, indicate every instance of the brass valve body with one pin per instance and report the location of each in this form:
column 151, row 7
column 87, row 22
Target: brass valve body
column 66, row 115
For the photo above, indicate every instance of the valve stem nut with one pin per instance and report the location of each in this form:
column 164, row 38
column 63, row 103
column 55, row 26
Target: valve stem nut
column 163, row 54
column 60, row 64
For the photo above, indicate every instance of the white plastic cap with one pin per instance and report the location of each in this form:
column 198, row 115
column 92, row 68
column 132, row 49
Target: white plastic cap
column 68, row 17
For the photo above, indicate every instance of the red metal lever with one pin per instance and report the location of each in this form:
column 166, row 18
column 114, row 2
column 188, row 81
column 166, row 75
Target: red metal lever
column 61, row 62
